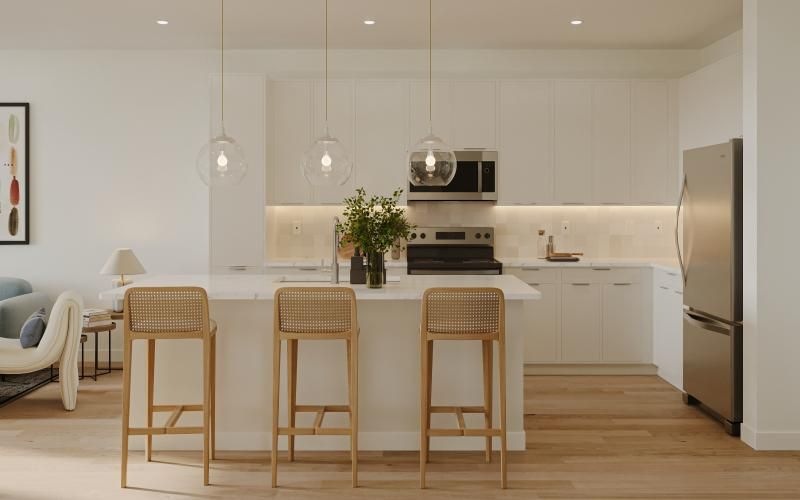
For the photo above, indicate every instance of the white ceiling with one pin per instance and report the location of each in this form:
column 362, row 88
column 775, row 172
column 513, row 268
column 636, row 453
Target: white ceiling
column 475, row 24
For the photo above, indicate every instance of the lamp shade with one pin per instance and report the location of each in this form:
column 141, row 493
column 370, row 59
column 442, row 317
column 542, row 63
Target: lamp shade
column 123, row 261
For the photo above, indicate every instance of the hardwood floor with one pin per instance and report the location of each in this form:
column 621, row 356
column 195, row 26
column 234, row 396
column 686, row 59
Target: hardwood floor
column 588, row 437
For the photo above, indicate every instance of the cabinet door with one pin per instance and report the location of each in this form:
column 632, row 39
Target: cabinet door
column 623, row 328
column 650, row 141
column 291, row 125
column 341, row 126
column 474, row 115
column 611, row 175
column 541, row 337
column 526, row 143
column 381, row 132
column 237, row 212
column 573, row 142
column 418, row 111
column 673, row 372
column 581, row 320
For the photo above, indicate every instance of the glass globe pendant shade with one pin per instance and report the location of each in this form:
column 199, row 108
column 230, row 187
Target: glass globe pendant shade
column 221, row 162
column 326, row 163
column 431, row 163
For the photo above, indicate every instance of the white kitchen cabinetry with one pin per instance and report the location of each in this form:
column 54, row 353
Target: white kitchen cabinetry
column 341, row 122
column 581, row 321
column 418, row 124
column 542, row 317
column 668, row 326
column 572, row 144
column 652, row 171
column 526, row 143
column 474, row 119
column 381, row 136
column 236, row 231
column 291, row 123
column 623, row 325
column 611, row 174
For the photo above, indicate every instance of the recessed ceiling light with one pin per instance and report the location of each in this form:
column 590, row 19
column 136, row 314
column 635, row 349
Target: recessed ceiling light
column 369, row 22
column 576, row 22
column 162, row 22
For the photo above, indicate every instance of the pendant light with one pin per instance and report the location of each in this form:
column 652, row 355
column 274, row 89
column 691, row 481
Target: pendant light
column 221, row 160
column 326, row 162
column 431, row 162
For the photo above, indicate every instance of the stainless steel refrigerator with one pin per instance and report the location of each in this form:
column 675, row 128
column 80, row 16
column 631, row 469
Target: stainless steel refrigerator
column 710, row 255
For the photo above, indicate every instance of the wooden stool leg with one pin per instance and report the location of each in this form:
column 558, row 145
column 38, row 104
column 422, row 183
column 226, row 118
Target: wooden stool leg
column 503, row 462
column 151, row 367
column 487, row 393
column 276, row 389
column 430, row 399
column 353, row 370
column 206, row 408
column 291, row 371
column 126, row 410
column 213, row 395
column 423, row 410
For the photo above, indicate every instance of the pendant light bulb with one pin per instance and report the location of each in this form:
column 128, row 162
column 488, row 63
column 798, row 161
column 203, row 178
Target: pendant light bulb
column 221, row 160
column 431, row 162
column 326, row 162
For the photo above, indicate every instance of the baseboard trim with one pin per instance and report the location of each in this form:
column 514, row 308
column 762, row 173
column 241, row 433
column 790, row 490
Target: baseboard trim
column 590, row 369
column 367, row 441
column 770, row 441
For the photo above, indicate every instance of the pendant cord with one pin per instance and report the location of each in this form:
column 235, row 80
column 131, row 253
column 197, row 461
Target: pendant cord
column 222, row 62
column 430, row 63
column 326, row 67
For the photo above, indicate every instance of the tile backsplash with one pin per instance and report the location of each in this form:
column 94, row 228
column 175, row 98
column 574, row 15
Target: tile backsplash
column 597, row 231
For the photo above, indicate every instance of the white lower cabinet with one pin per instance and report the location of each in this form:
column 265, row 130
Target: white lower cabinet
column 581, row 322
column 541, row 345
column 623, row 325
column 668, row 326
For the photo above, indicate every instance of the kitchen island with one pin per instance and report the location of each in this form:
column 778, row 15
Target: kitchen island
column 388, row 365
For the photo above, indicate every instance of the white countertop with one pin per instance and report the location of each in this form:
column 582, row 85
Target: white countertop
column 665, row 264
column 262, row 287
column 320, row 264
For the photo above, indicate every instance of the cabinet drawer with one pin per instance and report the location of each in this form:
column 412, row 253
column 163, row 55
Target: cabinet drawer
column 669, row 279
column 602, row 275
column 534, row 275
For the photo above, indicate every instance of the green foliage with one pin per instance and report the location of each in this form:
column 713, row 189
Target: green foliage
column 373, row 224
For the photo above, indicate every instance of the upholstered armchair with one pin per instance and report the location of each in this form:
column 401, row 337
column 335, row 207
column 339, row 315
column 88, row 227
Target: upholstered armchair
column 60, row 342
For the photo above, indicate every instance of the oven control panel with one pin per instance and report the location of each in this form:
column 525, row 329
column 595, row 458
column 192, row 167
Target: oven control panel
column 452, row 236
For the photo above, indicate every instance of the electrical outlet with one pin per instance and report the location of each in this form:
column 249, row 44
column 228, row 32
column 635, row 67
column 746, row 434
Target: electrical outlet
column 659, row 226
column 564, row 227
column 297, row 227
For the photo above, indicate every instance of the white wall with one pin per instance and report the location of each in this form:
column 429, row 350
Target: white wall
column 772, row 174
column 113, row 139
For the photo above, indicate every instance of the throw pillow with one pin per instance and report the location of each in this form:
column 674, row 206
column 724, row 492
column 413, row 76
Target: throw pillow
column 32, row 331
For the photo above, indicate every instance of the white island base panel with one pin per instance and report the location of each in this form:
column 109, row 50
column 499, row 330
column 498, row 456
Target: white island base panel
column 389, row 375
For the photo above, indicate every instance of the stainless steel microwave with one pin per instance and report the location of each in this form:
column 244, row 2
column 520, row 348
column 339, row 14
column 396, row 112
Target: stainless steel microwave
column 475, row 180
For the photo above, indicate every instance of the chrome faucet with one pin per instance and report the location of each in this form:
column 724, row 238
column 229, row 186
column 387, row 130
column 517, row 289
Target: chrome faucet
column 334, row 252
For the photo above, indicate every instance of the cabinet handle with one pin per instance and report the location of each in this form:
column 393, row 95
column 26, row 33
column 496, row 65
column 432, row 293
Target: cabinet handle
column 672, row 274
column 663, row 287
column 623, row 284
column 309, row 268
column 677, row 292
column 237, row 268
column 530, row 268
column 580, row 284
column 601, row 269
column 534, row 284
column 570, row 203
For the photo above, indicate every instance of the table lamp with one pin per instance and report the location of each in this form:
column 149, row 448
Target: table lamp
column 122, row 262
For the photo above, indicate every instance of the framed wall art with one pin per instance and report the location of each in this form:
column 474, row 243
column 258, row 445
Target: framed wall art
column 14, row 174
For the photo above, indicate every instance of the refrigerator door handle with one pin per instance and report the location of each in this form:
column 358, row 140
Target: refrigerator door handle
column 677, row 224
column 705, row 323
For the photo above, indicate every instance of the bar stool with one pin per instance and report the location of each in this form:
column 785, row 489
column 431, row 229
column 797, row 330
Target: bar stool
column 313, row 313
column 160, row 313
column 463, row 314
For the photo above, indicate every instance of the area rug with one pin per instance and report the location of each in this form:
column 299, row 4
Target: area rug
column 13, row 387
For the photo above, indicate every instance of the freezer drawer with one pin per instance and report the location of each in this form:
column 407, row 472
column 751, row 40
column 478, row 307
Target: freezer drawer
column 712, row 364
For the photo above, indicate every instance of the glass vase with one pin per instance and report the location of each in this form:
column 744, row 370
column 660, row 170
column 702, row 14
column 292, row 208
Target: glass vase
column 375, row 270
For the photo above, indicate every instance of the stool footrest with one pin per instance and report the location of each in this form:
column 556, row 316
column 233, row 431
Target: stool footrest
column 464, row 432
column 318, row 408
column 313, row 431
column 161, row 408
column 457, row 409
column 152, row 431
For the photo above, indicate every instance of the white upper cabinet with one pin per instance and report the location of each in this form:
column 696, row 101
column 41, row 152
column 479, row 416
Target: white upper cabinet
column 237, row 212
column 652, row 172
column 291, row 124
column 418, row 111
column 611, row 173
column 474, row 120
column 341, row 124
column 572, row 142
column 525, row 175
column 381, row 136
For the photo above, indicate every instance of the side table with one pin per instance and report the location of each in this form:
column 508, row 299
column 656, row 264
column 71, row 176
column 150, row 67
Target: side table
column 97, row 330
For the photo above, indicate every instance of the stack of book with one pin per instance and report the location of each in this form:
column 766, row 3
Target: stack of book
column 93, row 318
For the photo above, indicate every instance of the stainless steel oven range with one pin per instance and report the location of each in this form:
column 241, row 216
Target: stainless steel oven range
column 452, row 250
